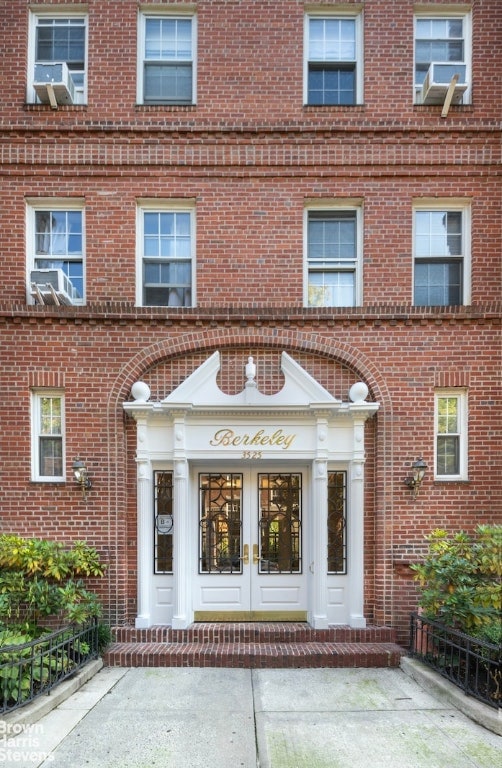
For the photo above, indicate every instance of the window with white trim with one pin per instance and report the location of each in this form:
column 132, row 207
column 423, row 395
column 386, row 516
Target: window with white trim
column 451, row 434
column 445, row 42
column 166, row 66
column 48, row 449
column 58, row 39
column 55, row 250
column 441, row 254
column 333, row 59
column 166, row 255
column 333, row 257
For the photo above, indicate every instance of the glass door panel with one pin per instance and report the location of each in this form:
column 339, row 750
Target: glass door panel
column 280, row 523
column 250, row 541
column 220, row 524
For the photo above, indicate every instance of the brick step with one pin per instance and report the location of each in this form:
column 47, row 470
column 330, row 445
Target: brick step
column 253, row 632
column 253, row 655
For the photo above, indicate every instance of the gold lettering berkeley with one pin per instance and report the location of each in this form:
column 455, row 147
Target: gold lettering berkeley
column 227, row 437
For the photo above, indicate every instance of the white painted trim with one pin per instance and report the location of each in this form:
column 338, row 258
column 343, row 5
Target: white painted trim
column 177, row 431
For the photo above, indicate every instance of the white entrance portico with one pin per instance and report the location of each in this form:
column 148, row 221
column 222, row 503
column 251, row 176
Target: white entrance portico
column 250, row 506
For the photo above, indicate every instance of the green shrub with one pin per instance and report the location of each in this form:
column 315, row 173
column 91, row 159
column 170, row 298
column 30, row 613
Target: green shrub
column 28, row 672
column 104, row 637
column 40, row 578
column 460, row 580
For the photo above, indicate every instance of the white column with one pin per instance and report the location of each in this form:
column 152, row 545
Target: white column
column 145, row 559
column 318, row 567
column 356, row 529
column 317, row 519
column 183, row 546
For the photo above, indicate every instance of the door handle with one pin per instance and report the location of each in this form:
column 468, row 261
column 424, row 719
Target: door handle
column 245, row 557
column 255, row 554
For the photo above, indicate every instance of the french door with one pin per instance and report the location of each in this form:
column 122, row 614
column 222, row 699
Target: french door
column 252, row 543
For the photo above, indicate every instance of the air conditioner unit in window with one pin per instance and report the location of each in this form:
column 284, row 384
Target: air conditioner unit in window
column 53, row 84
column 52, row 286
column 438, row 80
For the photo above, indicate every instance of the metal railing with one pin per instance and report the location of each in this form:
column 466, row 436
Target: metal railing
column 471, row 664
column 32, row 669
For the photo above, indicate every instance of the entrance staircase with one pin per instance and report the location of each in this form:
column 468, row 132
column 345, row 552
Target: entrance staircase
column 253, row 646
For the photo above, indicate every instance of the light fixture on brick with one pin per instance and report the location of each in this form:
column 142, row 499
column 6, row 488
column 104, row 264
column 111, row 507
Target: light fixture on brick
column 414, row 481
column 81, row 476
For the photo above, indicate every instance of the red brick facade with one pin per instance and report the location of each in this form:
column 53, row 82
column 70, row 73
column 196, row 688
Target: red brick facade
column 249, row 156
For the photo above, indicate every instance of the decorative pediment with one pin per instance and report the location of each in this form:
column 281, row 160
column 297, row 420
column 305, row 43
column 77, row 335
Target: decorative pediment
column 201, row 390
column 300, row 394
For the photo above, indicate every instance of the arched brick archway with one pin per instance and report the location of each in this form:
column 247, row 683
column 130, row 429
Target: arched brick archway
column 293, row 341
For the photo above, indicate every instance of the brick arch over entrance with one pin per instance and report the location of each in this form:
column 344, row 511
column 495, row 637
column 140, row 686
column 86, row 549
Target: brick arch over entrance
column 208, row 341
column 151, row 364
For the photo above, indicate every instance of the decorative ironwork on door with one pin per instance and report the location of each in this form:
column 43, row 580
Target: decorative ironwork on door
column 164, row 521
column 280, row 522
column 337, row 522
column 220, row 523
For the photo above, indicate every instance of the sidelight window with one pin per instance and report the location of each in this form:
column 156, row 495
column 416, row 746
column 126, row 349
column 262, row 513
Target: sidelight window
column 337, row 522
column 164, row 522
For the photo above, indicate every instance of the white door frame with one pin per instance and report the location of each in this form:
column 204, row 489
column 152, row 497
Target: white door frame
column 250, row 594
column 303, row 424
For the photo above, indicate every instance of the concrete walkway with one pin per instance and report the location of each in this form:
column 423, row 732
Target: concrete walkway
column 237, row 718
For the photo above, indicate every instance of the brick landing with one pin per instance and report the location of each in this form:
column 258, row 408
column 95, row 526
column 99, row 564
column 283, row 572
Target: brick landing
column 253, row 645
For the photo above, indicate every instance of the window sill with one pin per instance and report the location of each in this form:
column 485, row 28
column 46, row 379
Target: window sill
column 432, row 108
column 49, row 480
column 450, row 480
column 165, row 107
column 336, row 107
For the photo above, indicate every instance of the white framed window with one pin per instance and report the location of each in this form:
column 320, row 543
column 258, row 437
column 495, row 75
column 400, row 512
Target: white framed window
column 333, row 254
column 47, row 435
column 167, row 58
column 442, row 50
column 165, row 254
column 441, row 253
column 56, row 250
column 57, row 53
column 450, row 418
column 333, row 59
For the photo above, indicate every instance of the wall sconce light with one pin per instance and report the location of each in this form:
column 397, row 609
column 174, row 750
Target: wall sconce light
column 414, row 481
column 81, row 476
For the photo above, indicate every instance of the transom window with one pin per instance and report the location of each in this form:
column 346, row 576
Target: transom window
column 444, row 41
column 47, row 435
column 60, row 39
column 451, row 434
column 332, row 61
column 168, row 46
column 332, row 258
column 440, row 253
column 166, row 245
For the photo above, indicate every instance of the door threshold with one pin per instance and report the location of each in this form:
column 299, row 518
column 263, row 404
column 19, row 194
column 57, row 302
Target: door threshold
column 236, row 616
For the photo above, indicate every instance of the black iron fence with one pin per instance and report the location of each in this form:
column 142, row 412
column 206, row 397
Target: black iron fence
column 32, row 669
column 469, row 663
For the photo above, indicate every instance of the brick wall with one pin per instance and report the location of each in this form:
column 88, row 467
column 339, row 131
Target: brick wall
column 98, row 359
column 250, row 67
column 250, row 155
